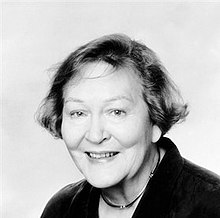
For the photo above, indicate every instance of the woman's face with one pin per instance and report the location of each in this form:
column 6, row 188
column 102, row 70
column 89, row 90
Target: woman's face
column 106, row 126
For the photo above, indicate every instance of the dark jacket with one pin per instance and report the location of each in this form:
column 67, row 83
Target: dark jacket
column 178, row 189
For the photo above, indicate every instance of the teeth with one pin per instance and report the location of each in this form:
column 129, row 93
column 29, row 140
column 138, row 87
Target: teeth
column 102, row 155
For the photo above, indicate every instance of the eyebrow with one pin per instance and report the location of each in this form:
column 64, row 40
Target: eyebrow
column 117, row 98
column 73, row 100
column 112, row 99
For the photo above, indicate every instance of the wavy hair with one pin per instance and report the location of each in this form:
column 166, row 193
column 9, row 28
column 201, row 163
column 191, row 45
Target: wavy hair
column 164, row 102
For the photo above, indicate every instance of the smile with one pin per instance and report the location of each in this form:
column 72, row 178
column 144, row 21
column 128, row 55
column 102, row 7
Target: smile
column 101, row 155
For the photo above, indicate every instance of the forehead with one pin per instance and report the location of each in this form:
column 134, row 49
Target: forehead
column 101, row 78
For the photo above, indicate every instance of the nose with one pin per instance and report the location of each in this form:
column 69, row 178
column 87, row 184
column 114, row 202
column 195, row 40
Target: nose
column 97, row 133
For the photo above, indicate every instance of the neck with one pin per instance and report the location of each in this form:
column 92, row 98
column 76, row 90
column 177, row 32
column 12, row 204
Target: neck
column 126, row 191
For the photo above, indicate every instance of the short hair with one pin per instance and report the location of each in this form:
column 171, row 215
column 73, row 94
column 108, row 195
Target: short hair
column 164, row 102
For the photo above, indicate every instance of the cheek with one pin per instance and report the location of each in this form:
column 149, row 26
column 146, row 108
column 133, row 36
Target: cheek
column 72, row 135
column 132, row 133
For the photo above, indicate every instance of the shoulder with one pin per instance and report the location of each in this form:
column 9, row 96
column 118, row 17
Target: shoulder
column 195, row 190
column 58, row 205
column 202, row 188
column 203, row 177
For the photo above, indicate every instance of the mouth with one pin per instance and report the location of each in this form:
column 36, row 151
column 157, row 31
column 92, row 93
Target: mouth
column 101, row 155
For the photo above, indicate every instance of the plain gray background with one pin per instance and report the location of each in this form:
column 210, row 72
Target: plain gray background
column 186, row 36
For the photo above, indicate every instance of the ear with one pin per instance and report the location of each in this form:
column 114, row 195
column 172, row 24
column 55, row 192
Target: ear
column 156, row 133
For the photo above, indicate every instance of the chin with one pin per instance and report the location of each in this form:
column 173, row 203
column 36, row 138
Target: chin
column 100, row 182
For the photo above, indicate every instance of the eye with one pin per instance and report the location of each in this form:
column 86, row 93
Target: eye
column 77, row 114
column 118, row 113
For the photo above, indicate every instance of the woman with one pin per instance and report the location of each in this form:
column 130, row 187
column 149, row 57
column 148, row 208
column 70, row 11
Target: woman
column 112, row 102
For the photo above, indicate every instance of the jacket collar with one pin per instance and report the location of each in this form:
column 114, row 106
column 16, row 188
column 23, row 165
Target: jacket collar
column 155, row 201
